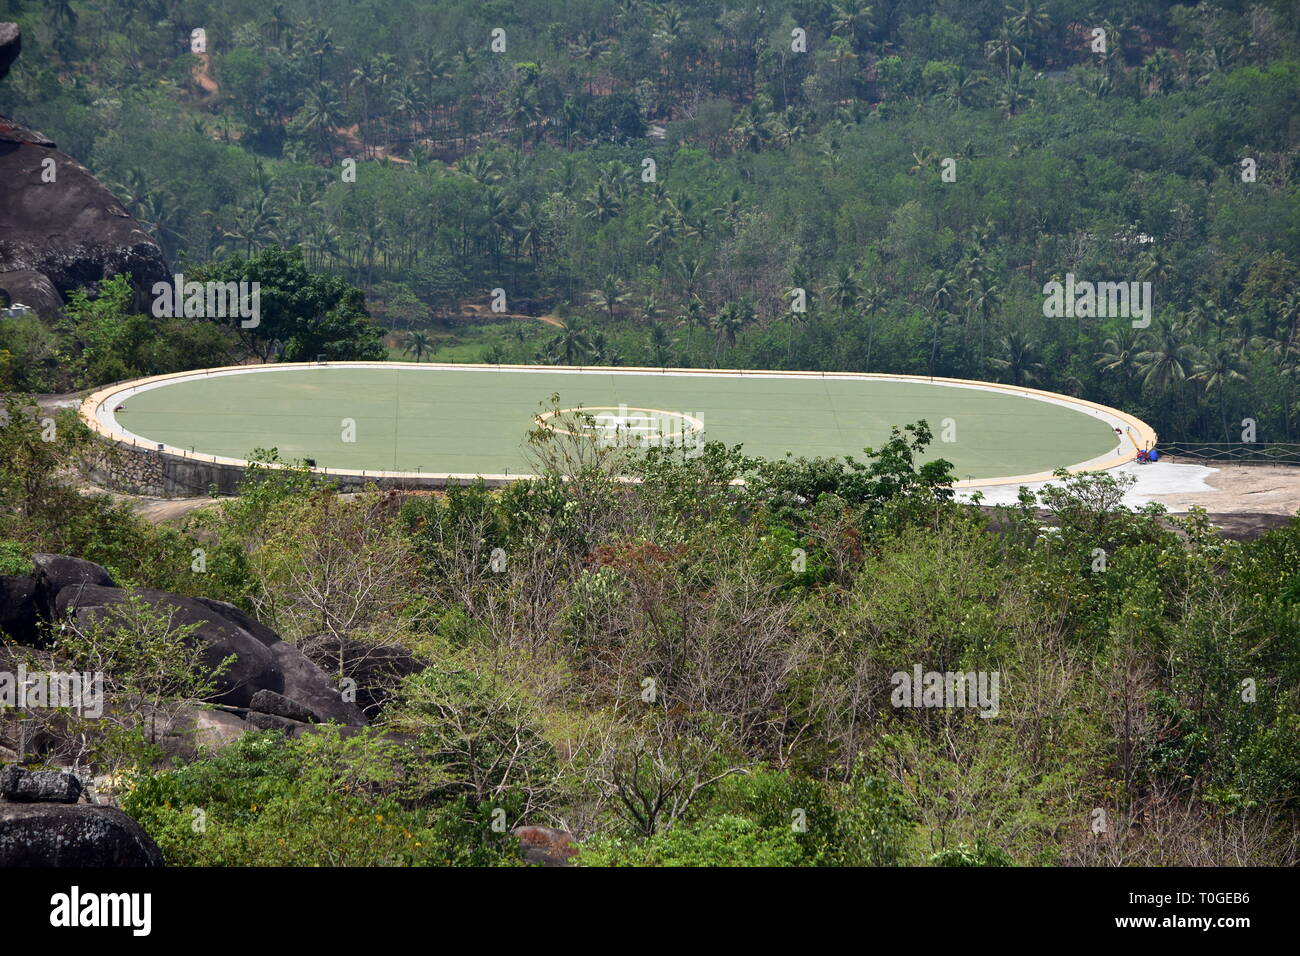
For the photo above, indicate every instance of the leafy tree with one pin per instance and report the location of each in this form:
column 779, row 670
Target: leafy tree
column 303, row 314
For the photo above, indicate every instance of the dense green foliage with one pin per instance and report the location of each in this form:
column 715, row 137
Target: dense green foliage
column 318, row 801
column 692, row 672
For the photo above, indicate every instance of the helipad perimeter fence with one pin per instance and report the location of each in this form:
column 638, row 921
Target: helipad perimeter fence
column 1245, row 453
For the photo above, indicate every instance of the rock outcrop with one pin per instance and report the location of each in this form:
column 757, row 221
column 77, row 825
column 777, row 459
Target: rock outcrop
column 377, row 670
column 19, row 616
column 63, row 233
column 252, row 669
column 11, row 44
column 42, row 823
column 269, row 702
column 269, row 684
column 57, row 834
column 38, row 786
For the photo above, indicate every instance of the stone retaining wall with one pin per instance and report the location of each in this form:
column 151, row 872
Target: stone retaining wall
column 140, row 471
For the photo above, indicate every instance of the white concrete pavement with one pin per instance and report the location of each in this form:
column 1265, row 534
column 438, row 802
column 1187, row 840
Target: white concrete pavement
column 1153, row 479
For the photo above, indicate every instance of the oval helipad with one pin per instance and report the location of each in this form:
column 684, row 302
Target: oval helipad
column 395, row 418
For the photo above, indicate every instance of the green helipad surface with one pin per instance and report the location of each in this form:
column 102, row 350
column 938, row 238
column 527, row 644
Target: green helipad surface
column 475, row 421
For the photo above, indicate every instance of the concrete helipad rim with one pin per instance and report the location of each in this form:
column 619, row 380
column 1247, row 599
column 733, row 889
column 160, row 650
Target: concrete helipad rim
column 97, row 413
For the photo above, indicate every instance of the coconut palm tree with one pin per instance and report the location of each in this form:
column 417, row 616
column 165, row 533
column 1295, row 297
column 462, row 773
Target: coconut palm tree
column 532, row 232
column 322, row 114
column 589, row 49
column 523, row 112
column 254, row 224
column 983, row 297
column 689, row 270
column 787, row 127
column 1119, row 353
column 404, row 101
column 373, row 236
column 617, row 178
column 922, row 160
column 751, row 129
column 662, row 232
column 321, row 45
column 1019, row 359
column 479, row 167
column 1154, row 266
column 1003, row 47
column 729, row 209
column 61, row 13
column 941, row 290
column 1289, row 317
column 603, row 351
column 1013, row 99
column 419, row 344
column 1029, row 21
column 689, row 224
column 602, row 204
column 733, row 317
column 692, row 314
column 1158, row 72
column 609, row 296
column 1215, row 371
column 852, row 19
column 322, row 244
column 873, row 300
column 845, row 62
column 844, row 290
column 364, row 78
column 433, row 71
column 131, row 189
column 156, row 214
column 660, row 344
column 668, row 30
column 571, row 347
column 276, row 24
column 1167, row 359
column 963, row 88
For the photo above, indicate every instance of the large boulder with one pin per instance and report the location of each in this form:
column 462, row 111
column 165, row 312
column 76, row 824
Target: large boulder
column 54, row 572
column 72, row 231
column 63, row 587
column 38, row 786
column 180, row 730
column 269, row 702
column 252, row 626
column 304, row 682
column 11, row 44
column 307, row 684
column 53, row 834
column 184, row 732
column 19, row 614
column 377, row 669
column 32, row 290
column 57, row 571
column 253, row 669
column 286, row 726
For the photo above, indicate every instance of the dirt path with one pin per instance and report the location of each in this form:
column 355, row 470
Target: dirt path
column 349, row 135
column 202, row 73
column 483, row 312
column 159, row 510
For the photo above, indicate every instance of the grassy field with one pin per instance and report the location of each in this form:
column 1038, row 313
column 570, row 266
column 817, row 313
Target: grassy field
column 476, row 421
